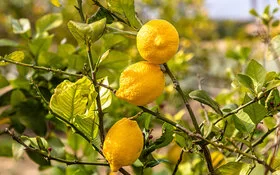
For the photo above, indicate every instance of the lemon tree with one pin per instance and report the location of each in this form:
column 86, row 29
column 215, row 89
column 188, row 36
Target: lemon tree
column 66, row 98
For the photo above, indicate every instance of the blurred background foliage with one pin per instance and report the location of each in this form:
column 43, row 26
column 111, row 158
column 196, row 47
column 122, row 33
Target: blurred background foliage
column 211, row 52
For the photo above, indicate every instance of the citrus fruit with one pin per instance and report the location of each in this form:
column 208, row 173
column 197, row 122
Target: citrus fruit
column 218, row 159
column 157, row 41
column 123, row 144
column 141, row 83
column 173, row 153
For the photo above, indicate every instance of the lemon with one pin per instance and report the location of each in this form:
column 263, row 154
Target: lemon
column 123, row 144
column 173, row 153
column 157, row 41
column 141, row 83
column 218, row 159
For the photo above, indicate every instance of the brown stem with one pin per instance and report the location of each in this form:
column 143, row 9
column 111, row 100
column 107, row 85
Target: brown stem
column 178, row 162
column 177, row 86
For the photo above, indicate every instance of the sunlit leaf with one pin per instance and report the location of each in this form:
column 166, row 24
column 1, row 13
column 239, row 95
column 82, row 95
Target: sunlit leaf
column 20, row 26
column 257, row 72
column 256, row 111
column 87, row 32
column 232, row 168
column 126, row 9
column 105, row 95
column 14, row 56
column 243, row 122
column 245, row 81
column 48, row 22
column 75, row 103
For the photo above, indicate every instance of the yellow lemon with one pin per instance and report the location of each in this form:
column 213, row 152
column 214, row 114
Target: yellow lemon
column 141, row 83
column 173, row 153
column 157, row 41
column 218, row 159
column 123, row 144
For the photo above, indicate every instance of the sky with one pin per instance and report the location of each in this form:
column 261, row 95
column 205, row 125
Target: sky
column 235, row 9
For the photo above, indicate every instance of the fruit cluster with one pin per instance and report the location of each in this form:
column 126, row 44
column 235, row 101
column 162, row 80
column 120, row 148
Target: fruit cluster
column 140, row 84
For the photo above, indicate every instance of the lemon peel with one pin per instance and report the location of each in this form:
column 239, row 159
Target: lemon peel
column 123, row 144
column 157, row 41
column 141, row 83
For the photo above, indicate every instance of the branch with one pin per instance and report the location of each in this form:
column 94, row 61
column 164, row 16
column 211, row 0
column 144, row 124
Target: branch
column 238, row 109
column 48, row 156
column 93, row 69
column 194, row 121
column 41, row 68
column 96, row 2
column 178, row 162
column 80, row 9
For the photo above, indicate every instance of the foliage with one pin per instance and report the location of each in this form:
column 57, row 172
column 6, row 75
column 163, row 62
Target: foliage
column 62, row 90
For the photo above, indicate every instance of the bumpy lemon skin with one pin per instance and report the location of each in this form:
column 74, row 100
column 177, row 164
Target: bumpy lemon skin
column 141, row 83
column 123, row 144
column 157, row 41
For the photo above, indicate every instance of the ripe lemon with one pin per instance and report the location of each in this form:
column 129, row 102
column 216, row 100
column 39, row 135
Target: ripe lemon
column 173, row 153
column 218, row 159
column 123, row 144
column 157, row 41
column 141, row 83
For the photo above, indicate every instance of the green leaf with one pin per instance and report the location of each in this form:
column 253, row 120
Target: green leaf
column 275, row 23
column 48, row 22
column 243, row 122
column 126, row 9
column 272, row 84
column 38, row 158
column 246, row 81
column 7, row 42
column 20, row 26
column 254, row 12
column 75, row 103
column 87, row 32
column 232, row 168
column 100, row 14
column 58, row 148
column 17, row 97
column 256, row 111
column 40, row 44
column 203, row 97
column 105, row 95
column 266, row 10
column 15, row 56
column 6, row 147
column 50, row 59
column 257, row 72
column 165, row 139
column 18, row 150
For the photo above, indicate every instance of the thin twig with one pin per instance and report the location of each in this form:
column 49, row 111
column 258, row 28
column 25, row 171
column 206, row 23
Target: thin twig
column 204, row 148
column 199, row 79
column 41, row 68
column 237, row 109
column 80, row 10
column 48, row 156
column 178, row 162
column 100, row 114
